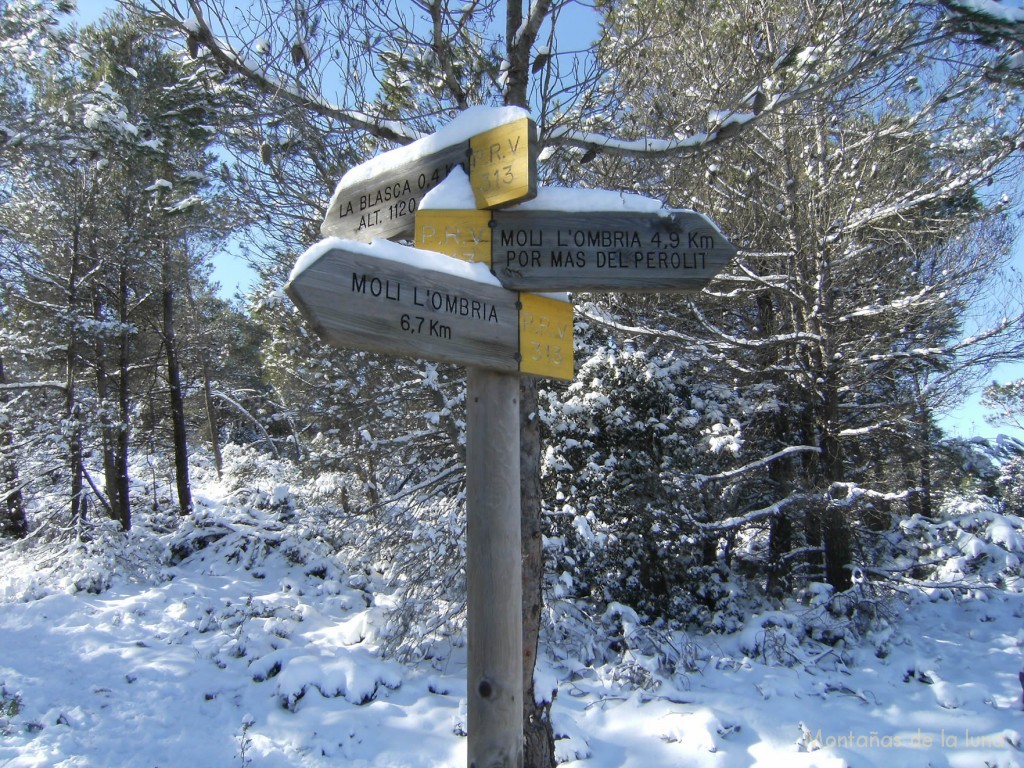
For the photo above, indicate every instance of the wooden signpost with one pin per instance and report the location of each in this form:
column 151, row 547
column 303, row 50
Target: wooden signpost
column 535, row 250
column 393, row 299
column 501, row 165
column 418, row 302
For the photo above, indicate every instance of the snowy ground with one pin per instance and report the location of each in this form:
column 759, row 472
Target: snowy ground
column 209, row 663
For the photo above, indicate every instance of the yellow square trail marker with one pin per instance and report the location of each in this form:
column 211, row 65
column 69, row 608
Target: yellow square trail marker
column 464, row 234
column 503, row 164
column 545, row 337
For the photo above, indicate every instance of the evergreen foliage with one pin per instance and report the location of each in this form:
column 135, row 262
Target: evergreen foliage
column 770, row 440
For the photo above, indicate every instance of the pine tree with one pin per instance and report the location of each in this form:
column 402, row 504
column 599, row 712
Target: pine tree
column 115, row 212
column 30, row 37
column 862, row 241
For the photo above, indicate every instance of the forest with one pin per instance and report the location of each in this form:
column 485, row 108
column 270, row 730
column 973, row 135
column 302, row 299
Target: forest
column 758, row 467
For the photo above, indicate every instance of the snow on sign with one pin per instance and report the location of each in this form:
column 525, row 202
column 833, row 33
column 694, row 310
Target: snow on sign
column 379, row 198
column 389, row 298
column 603, row 251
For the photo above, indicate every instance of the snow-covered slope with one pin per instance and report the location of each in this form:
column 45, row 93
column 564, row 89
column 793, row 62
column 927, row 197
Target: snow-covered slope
column 239, row 639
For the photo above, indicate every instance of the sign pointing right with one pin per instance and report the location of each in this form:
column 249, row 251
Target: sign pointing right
column 539, row 250
column 606, row 251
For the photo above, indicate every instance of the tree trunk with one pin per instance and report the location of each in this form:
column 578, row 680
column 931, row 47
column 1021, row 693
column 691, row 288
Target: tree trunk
column 835, row 533
column 211, row 418
column 924, row 451
column 780, row 531
column 108, row 427
column 177, row 401
column 75, row 464
column 13, row 521
column 71, row 414
column 211, row 411
column 539, row 750
column 121, row 482
column 780, row 544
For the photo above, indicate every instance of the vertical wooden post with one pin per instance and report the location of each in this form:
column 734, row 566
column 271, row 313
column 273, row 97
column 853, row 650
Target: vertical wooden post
column 494, row 571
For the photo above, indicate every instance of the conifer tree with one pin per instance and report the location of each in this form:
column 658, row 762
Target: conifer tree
column 116, row 211
column 863, row 236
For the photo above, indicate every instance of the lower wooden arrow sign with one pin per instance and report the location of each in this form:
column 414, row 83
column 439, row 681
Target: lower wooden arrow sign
column 389, row 298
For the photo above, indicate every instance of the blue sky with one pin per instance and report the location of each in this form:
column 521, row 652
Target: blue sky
column 967, row 420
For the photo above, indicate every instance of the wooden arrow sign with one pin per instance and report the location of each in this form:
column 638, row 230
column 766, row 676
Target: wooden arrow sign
column 389, row 298
column 379, row 199
column 361, row 296
column 601, row 251
column 536, row 250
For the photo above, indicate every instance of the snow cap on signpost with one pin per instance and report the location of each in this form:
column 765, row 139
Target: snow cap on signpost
column 497, row 146
column 448, row 222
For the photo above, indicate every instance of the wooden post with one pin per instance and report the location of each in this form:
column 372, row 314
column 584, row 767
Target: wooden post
column 401, row 301
column 494, row 571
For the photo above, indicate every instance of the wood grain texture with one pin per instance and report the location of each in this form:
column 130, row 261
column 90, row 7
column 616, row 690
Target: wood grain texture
column 494, row 571
column 358, row 301
column 606, row 251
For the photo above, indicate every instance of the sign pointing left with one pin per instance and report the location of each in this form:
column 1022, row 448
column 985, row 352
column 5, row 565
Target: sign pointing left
column 389, row 298
column 379, row 199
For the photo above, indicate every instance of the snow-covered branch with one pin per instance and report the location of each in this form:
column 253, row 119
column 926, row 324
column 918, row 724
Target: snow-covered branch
column 921, row 298
column 528, row 30
column 798, row 337
column 700, row 480
column 845, row 494
column 252, row 419
column 595, row 314
column 432, row 482
column 997, row 23
column 988, row 334
column 989, row 11
column 754, row 516
column 197, row 31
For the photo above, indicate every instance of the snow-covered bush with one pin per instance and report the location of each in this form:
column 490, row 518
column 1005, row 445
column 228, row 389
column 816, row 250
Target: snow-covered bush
column 625, row 516
column 975, row 544
column 620, row 645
